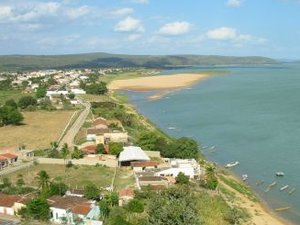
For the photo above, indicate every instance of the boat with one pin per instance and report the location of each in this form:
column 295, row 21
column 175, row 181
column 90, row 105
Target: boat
column 244, row 177
column 283, row 208
column 232, row 164
column 260, row 182
column 280, row 174
column 212, row 148
column 284, row 187
column 267, row 190
column 172, row 128
column 273, row 184
column 292, row 191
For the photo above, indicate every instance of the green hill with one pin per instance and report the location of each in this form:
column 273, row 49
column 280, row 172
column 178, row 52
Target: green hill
column 94, row 60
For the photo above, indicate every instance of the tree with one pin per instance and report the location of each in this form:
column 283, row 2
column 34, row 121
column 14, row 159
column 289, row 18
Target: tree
column 57, row 188
column 43, row 180
column 37, row 209
column 10, row 115
column 104, row 208
column 27, row 101
column 115, row 148
column 77, row 154
column 184, row 148
column 100, row 149
column 97, row 89
column 65, row 152
column 91, row 191
column 136, row 206
column 147, row 141
column 11, row 103
column 41, row 92
column 20, row 182
column 46, row 104
column 6, row 183
column 173, row 206
column 71, row 95
column 182, row 179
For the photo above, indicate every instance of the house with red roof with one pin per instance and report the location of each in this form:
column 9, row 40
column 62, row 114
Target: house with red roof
column 125, row 195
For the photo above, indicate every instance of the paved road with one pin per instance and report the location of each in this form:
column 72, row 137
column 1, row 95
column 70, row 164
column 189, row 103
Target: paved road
column 73, row 130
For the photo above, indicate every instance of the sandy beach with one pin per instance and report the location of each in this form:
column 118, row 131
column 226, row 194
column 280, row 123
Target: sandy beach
column 157, row 83
column 260, row 214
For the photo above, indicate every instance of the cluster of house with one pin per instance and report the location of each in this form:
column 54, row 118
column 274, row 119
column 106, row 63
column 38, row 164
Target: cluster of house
column 103, row 132
column 8, row 158
column 71, row 208
column 154, row 174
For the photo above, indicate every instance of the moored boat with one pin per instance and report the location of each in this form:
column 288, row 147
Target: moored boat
column 292, row 191
column 232, row 164
column 280, row 174
column 284, row 187
column 283, row 208
column 260, row 182
column 273, row 184
column 244, row 177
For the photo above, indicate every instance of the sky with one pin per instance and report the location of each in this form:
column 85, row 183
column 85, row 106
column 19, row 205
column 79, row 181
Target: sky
column 268, row 28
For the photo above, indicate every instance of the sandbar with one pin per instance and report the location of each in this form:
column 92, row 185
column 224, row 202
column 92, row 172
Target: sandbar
column 157, row 83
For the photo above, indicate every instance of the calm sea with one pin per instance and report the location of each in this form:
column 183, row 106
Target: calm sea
column 251, row 115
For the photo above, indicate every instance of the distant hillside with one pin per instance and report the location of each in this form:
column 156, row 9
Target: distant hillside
column 94, row 60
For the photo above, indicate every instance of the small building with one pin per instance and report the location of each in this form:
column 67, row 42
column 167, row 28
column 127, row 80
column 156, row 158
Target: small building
column 125, row 196
column 153, row 182
column 173, row 172
column 70, row 208
column 7, row 204
column 141, row 166
column 75, row 192
column 3, row 162
column 89, row 150
column 11, row 157
column 100, row 123
column 131, row 154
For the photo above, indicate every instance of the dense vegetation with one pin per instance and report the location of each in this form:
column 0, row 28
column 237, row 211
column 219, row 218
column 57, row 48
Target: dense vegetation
column 96, row 60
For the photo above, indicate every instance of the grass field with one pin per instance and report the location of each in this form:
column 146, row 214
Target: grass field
column 12, row 94
column 124, row 179
column 39, row 129
column 78, row 176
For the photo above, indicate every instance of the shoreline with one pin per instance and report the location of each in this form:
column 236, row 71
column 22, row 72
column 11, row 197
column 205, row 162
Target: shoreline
column 261, row 213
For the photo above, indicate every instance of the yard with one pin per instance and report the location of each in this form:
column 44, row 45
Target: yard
column 39, row 129
column 124, row 179
column 74, row 177
column 12, row 94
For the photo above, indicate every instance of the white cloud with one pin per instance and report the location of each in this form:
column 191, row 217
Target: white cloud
column 176, row 28
column 139, row 2
column 234, row 3
column 231, row 34
column 129, row 25
column 120, row 12
column 79, row 12
column 134, row 37
column 223, row 33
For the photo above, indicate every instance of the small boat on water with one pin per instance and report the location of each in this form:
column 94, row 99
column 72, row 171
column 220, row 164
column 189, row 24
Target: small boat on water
column 283, row 208
column 284, row 187
column 244, row 177
column 260, row 182
column 280, row 174
column 267, row 190
column 232, row 164
column 172, row 128
column 292, row 191
column 273, row 184
column 212, row 148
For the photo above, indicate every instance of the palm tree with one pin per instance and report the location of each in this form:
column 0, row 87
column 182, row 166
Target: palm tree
column 43, row 180
column 54, row 145
column 65, row 152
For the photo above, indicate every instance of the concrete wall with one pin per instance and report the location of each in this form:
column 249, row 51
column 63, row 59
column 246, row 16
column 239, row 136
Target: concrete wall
column 109, row 163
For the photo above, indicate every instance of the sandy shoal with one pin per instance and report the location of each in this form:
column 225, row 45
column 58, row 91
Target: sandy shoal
column 153, row 83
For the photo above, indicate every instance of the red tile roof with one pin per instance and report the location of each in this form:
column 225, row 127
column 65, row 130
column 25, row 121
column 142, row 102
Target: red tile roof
column 126, row 192
column 8, row 201
column 143, row 164
column 66, row 202
column 9, row 155
column 82, row 209
column 25, row 199
column 91, row 149
column 3, row 158
column 100, row 121
column 98, row 131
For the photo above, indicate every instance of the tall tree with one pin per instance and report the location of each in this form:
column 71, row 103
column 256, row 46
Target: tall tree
column 43, row 180
column 65, row 152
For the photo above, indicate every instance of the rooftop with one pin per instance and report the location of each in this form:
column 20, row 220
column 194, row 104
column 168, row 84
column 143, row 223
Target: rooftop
column 132, row 153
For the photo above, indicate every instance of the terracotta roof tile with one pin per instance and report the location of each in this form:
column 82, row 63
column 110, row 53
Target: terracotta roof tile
column 82, row 209
column 126, row 192
column 9, row 155
column 66, row 202
column 8, row 200
column 143, row 164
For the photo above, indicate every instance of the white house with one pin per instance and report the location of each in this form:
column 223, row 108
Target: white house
column 7, row 204
column 56, row 92
column 78, row 91
column 173, row 172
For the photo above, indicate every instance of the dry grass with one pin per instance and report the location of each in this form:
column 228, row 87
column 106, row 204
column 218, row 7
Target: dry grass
column 39, row 129
column 124, row 179
column 74, row 177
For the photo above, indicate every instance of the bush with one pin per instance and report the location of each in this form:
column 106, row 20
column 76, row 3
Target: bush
column 115, row 148
column 10, row 116
column 136, row 206
column 26, row 101
column 182, row 179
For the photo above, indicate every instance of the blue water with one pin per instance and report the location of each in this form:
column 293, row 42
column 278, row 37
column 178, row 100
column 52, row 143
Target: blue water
column 251, row 115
